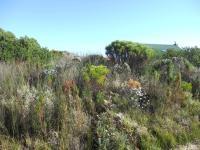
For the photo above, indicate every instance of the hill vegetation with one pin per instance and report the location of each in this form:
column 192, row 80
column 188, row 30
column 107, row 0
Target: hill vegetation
column 135, row 98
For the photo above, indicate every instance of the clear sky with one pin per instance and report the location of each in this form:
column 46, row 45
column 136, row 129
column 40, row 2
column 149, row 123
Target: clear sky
column 85, row 26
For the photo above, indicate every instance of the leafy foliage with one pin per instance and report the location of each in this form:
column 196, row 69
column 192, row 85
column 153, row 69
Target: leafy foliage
column 135, row 54
column 172, row 53
column 193, row 55
column 186, row 86
column 95, row 74
column 21, row 49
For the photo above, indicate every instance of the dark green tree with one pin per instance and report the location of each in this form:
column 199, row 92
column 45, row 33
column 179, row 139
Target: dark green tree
column 7, row 46
column 135, row 54
column 21, row 49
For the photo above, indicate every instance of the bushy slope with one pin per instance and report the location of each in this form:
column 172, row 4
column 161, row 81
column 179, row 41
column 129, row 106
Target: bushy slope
column 69, row 102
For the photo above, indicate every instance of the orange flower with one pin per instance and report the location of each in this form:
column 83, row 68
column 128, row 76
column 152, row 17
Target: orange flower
column 134, row 84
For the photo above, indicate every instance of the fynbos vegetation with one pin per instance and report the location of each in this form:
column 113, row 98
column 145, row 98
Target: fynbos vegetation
column 133, row 99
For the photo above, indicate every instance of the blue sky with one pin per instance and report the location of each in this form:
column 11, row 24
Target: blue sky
column 86, row 26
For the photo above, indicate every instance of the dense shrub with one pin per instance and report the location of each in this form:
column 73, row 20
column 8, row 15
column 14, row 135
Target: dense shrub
column 186, row 86
column 21, row 49
column 95, row 74
column 70, row 104
column 168, row 68
column 196, row 87
column 169, row 53
column 193, row 55
column 165, row 68
column 135, row 54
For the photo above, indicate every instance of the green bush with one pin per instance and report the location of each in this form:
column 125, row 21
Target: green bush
column 194, row 133
column 149, row 142
column 172, row 53
column 166, row 70
column 186, row 86
column 166, row 138
column 135, row 54
column 193, row 55
column 100, row 98
column 110, row 136
column 182, row 137
column 96, row 74
column 22, row 49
